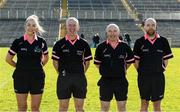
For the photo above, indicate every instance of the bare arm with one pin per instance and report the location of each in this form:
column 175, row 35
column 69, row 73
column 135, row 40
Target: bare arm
column 55, row 64
column 136, row 64
column 86, row 66
column 45, row 59
column 127, row 66
column 10, row 61
column 97, row 66
column 166, row 63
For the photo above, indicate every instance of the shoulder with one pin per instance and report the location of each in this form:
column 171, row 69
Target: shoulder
column 41, row 39
column 18, row 40
column 124, row 43
column 163, row 39
column 140, row 40
column 60, row 41
column 101, row 45
column 83, row 42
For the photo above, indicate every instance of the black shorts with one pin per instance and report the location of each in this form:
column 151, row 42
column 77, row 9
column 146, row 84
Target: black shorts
column 108, row 88
column 26, row 81
column 151, row 87
column 71, row 84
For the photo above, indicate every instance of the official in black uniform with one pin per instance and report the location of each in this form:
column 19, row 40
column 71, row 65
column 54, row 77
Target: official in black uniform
column 71, row 58
column 32, row 55
column 113, row 57
column 152, row 52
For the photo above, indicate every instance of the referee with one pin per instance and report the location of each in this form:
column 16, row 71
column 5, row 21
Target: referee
column 152, row 52
column 71, row 58
column 32, row 55
column 113, row 57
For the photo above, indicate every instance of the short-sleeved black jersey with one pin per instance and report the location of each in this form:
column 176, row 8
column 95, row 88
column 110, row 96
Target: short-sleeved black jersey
column 113, row 61
column 71, row 57
column 152, row 54
column 28, row 55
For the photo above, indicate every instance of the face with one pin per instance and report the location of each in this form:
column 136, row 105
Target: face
column 31, row 27
column 72, row 27
column 150, row 27
column 112, row 33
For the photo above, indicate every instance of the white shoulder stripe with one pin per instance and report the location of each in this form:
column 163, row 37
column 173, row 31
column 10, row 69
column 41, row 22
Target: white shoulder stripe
column 167, row 55
column 88, row 57
column 55, row 56
column 130, row 60
column 97, row 61
column 45, row 52
column 12, row 51
column 136, row 56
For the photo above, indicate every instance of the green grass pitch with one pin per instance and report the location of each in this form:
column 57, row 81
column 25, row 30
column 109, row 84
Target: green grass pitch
column 50, row 102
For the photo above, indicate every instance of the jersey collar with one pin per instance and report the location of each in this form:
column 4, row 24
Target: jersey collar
column 26, row 37
column 113, row 45
column 67, row 37
column 146, row 37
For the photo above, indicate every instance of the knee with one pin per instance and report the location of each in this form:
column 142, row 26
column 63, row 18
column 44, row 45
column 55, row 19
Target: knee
column 144, row 107
column 22, row 107
column 122, row 108
column 79, row 108
column 104, row 107
column 35, row 108
column 157, row 107
column 63, row 107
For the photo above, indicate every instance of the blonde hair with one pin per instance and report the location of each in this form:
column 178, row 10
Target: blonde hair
column 114, row 25
column 74, row 19
column 36, row 20
column 151, row 19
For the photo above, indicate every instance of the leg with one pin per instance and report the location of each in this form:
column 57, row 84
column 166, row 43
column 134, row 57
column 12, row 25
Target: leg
column 22, row 102
column 121, row 105
column 158, row 91
column 79, row 103
column 144, row 85
column 105, row 105
column 21, row 89
column 157, row 106
column 106, row 95
column 144, row 105
column 63, row 105
column 35, row 102
column 79, row 92
column 63, row 92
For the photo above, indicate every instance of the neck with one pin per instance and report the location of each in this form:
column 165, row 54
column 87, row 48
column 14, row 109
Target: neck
column 113, row 39
column 30, row 36
column 72, row 37
column 152, row 36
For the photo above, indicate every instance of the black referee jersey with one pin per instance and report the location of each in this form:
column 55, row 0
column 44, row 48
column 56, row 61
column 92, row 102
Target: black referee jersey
column 71, row 57
column 113, row 61
column 28, row 55
column 152, row 53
